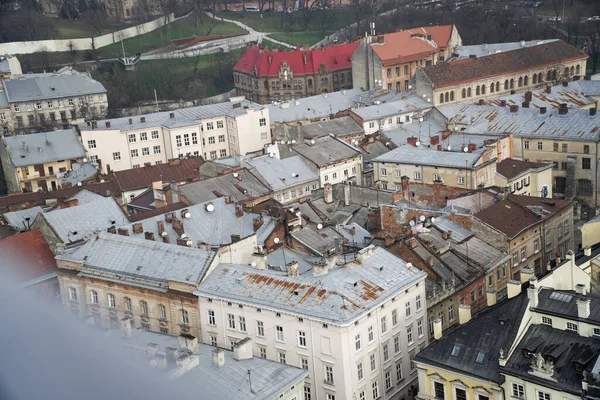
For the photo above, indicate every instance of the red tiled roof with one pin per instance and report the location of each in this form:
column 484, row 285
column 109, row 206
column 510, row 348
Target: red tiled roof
column 510, row 168
column 403, row 46
column 511, row 215
column 174, row 170
column 301, row 62
column 524, row 59
column 30, row 256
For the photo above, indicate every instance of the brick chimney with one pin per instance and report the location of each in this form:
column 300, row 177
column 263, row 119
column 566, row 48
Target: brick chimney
column 138, row 228
column 563, row 109
column 239, row 210
column 178, row 226
column 529, row 96
column 593, row 111
column 123, row 231
column 514, row 108
column 472, row 147
column 149, row 236
column 446, row 134
column 69, row 203
column 257, row 222
column 112, row 229
column 412, row 141
column 542, row 110
column 502, row 103
column 525, row 104
column 107, row 123
column 434, row 140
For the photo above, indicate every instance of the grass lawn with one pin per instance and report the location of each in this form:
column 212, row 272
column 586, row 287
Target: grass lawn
column 161, row 37
column 79, row 29
column 271, row 21
column 299, row 38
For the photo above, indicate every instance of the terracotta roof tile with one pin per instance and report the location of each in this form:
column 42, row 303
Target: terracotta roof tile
column 174, row 170
column 32, row 256
column 301, row 62
column 446, row 74
column 511, row 168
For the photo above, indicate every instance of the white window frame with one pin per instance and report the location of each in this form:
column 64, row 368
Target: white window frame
column 302, row 339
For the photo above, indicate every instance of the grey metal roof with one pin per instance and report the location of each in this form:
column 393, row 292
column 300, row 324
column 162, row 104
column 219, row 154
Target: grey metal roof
column 281, row 257
column 16, row 219
column 326, row 150
column 342, row 295
column 573, row 96
column 229, row 382
column 280, row 174
column 486, row 49
column 411, row 103
column 566, row 348
column 488, row 331
column 75, row 223
column 459, row 233
column 339, row 127
column 80, row 172
column 377, row 96
column 587, row 87
column 307, row 108
column 130, row 258
column 181, row 117
column 320, row 241
column 3, row 99
column 64, row 83
column 85, row 196
column 564, row 303
column 526, row 122
column 40, row 148
column 355, row 235
column 423, row 156
column 243, row 187
column 209, row 227
column 4, row 65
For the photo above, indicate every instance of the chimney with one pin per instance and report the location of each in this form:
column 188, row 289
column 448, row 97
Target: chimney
column 142, row 119
column 532, row 293
column 328, row 193
column 169, row 217
column 437, row 328
column 593, row 111
column 412, row 141
column 304, row 57
column 542, row 110
column 257, row 222
column 182, row 242
column 130, row 121
column 439, row 147
column 446, row 134
column 583, row 308
column 514, row 108
column 69, row 203
column 185, row 213
column 242, row 350
column 464, row 313
column 178, row 226
column 292, row 269
column 525, row 104
column 171, row 115
column 123, row 231
column 94, row 124
column 587, row 251
column 434, row 140
column 430, row 261
column 161, row 227
column 171, row 354
column 529, row 96
column 580, row 289
column 188, row 342
column 472, row 56
column 514, row 288
column 138, row 228
column 126, row 326
column 270, row 59
column 218, row 357
column 565, row 83
column 347, row 195
column 481, row 102
column 492, row 297
column 526, row 274
column 235, row 238
column 319, row 268
column 151, row 350
column 166, row 239
column 563, row 109
column 149, row 235
column 107, row 123
column 405, row 182
column 380, row 39
column 472, row 147
column 239, row 210
column 502, row 103
column 112, row 229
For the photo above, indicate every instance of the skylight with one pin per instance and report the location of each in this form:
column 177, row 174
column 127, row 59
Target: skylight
column 561, row 297
column 480, row 357
column 455, row 350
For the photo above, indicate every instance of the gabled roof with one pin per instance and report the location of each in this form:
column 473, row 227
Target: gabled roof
column 300, row 62
column 29, row 254
column 409, row 103
column 511, row 168
column 515, row 214
column 40, row 148
column 320, row 242
column 344, row 126
column 523, row 59
column 486, row 49
column 174, row 170
column 488, row 331
column 21, row 219
column 128, row 258
column 326, row 150
column 280, row 174
column 340, row 296
column 412, row 44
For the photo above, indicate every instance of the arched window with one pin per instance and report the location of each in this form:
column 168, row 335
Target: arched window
column 452, row 95
column 526, row 80
column 520, row 81
column 554, row 74
column 506, row 84
column 477, row 91
column 577, row 70
column 492, row 88
column 572, row 71
column 184, row 317
column 446, row 97
column 540, row 77
column 566, row 72
column 549, row 75
column 127, row 303
column 94, row 297
column 512, row 83
column 441, row 97
column 163, row 311
column 464, row 93
column 482, row 89
column 111, row 300
column 469, row 92
column 144, row 307
column 534, row 79
column 497, row 86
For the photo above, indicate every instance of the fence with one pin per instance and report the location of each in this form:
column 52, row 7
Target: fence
column 86, row 43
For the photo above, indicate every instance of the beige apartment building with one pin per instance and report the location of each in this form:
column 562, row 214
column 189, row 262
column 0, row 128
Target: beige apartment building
column 391, row 60
column 525, row 178
column 236, row 127
column 50, row 101
column 470, row 170
column 477, row 78
column 39, row 161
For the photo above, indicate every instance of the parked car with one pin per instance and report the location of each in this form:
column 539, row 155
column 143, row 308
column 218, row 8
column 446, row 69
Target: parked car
column 556, row 19
column 594, row 18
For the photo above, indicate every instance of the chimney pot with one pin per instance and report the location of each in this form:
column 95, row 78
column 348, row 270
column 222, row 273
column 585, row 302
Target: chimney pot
column 464, row 313
column 583, row 308
column 437, row 328
column 435, row 140
column 580, row 289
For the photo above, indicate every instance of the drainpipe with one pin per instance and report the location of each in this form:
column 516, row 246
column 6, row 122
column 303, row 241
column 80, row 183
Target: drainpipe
column 314, row 365
column 596, row 183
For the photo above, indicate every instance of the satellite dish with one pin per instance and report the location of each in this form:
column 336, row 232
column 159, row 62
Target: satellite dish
column 420, row 119
column 418, row 143
column 187, row 215
column 253, row 264
column 424, row 95
column 271, row 154
column 102, row 181
column 465, row 149
column 456, row 128
column 422, row 218
column 312, row 141
column 320, row 226
column 282, row 142
column 409, row 87
column 293, row 141
column 189, row 243
column 289, row 142
column 85, row 159
column 210, row 208
column 276, row 240
column 429, row 100
column 449, row 147
column 235, row 174
column 153, row 364
column 164, row 234
column 432, row 220
column 411, row 223
column 78, row 183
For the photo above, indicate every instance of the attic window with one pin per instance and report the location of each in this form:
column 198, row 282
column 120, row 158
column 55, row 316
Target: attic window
column 480, row 357
column 455, row 350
